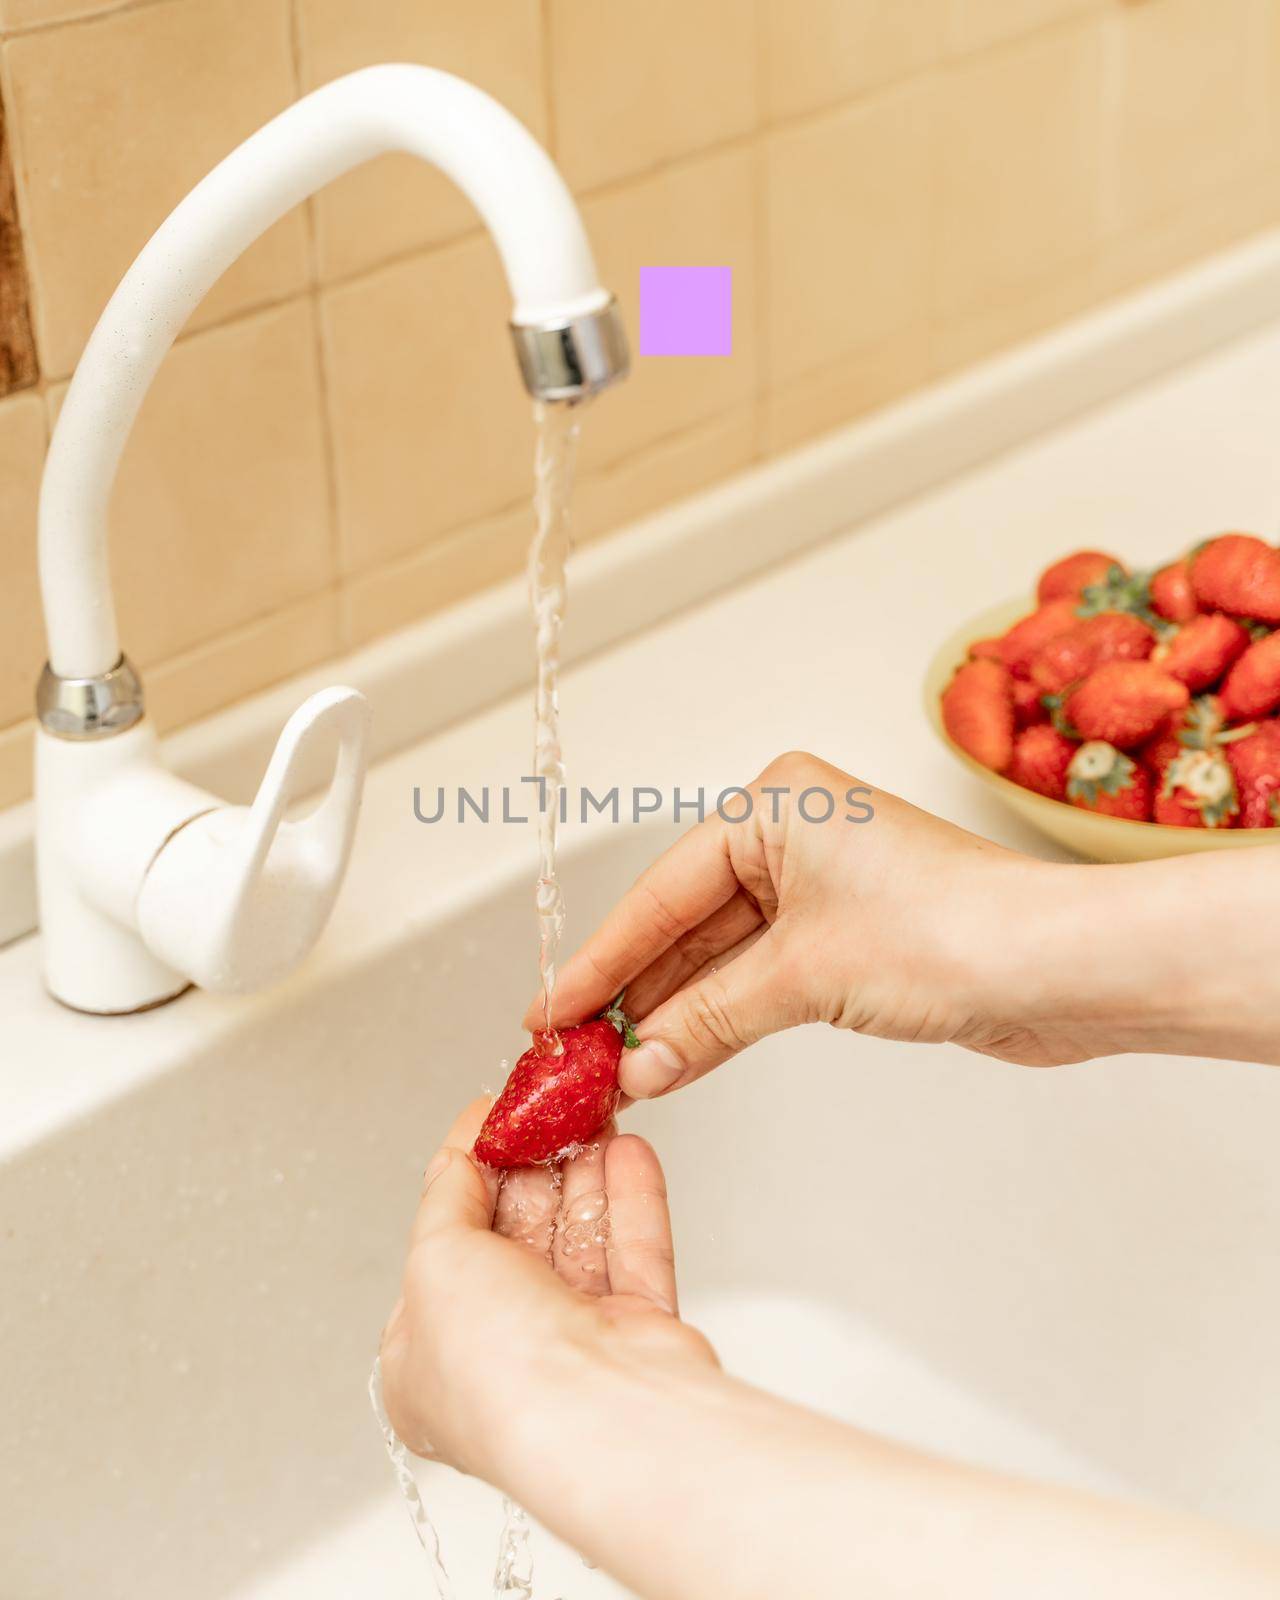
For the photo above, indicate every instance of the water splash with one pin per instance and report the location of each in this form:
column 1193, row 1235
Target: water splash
column 558, row 428
column 513, row 1575
column 398, row 1454
column 530, row 1215
column 585, row 1223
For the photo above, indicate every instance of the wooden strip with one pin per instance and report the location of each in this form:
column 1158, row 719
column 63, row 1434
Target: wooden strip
column 19, row 366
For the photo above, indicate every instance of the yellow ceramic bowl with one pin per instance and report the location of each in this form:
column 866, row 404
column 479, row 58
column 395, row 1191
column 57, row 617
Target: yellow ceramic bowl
column 1085, row 832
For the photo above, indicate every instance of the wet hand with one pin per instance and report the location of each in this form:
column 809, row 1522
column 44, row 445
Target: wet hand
column 514, row 1289
column 903, row 926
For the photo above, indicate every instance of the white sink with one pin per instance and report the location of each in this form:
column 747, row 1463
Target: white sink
column 203, row 1209
column 1067, row 1273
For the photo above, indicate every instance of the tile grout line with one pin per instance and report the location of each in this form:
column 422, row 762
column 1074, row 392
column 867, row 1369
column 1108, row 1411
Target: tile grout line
column 760, row 212
column 597, row 474
column 78, row 19
column 548, row 77
column 18, row 167
column 455, row 534
column 613, row 186
column 757, row 141
column 256, row 308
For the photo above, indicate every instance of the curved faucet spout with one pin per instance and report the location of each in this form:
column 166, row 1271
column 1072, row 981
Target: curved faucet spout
column 568, row 337
column 148, row 883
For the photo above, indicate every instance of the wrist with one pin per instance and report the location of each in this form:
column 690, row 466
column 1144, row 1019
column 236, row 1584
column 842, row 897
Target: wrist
column 574, row 1395
column 1178, row 956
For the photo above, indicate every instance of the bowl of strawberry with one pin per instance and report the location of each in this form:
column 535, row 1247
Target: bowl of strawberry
column 1128, row 715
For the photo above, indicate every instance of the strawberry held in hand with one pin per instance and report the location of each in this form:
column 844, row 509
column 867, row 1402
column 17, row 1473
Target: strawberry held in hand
column 550, row 1103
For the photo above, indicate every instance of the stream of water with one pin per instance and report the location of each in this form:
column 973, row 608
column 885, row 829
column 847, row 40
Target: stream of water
column 398, row 1453
column 558, row 427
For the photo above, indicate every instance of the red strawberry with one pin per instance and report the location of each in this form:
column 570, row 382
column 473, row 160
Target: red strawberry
column 1157, row 753
column 1102, row 779
column 1172, row 596
column 1112, row 636
column 1199, row 652
column 977, row 712
column 1200, row 726
column 1069, row 578
column 1197, row 790
column 1124, row 702
column 552, row 1102
column 1028, row 703
column 1252, row 688
column 1041, row 756
column 1170, row 811
column 1024, row 639
column 1240, row 574
column 1255, row 760
column 986, row 650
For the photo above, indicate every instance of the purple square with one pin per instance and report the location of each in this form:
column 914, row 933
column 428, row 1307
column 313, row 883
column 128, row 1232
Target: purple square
column 686, row 311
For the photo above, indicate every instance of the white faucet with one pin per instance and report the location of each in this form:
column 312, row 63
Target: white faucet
column 148, row 884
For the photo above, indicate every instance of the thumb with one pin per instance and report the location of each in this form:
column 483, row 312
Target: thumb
column 707, row 1023
column 456, row 1190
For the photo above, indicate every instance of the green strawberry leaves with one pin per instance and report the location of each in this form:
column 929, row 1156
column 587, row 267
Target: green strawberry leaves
column 618, row 1017
column 1086, row 785
column 1054, row 704
column 1120, row 591
column 1202, row 727
column 1207, row 785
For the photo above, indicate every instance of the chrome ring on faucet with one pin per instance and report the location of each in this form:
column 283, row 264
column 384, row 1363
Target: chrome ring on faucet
column 572, row 358
column 90, row 708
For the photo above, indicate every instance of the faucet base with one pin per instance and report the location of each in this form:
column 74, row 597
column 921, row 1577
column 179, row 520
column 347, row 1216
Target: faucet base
column 103, row 809
column 133, row 1011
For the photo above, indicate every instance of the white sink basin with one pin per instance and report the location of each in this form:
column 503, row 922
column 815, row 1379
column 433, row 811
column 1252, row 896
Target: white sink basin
column 203, row 1209
column 1065, row 1273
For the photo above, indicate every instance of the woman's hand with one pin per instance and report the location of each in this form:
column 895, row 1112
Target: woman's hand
column 902, row 926
column 906, row 927
column 513, row 1291
column 571, row 1384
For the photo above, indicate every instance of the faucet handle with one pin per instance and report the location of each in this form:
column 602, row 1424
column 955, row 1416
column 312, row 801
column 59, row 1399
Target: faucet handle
column 238, row 896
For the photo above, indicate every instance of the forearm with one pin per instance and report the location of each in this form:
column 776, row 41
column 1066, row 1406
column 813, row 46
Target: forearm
column 1180, row 956
column 685, row 1484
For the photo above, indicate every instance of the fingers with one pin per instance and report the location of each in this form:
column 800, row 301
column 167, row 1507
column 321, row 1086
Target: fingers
column 711, row 941
column 528, row 1201
column 640, row 1252
column 579, row 1255
column 457, row 1192
column 681, row 890
column 705, row 1024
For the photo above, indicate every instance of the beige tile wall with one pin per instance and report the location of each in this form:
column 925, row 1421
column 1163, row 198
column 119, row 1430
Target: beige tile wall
column 339, row 445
